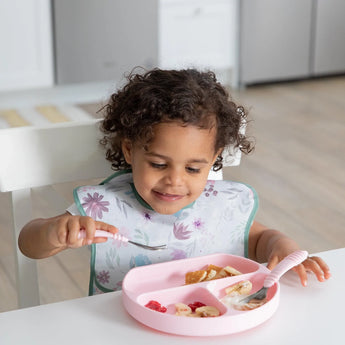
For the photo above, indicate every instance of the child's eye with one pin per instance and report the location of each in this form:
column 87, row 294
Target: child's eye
column 157, row 165
column 193, row 170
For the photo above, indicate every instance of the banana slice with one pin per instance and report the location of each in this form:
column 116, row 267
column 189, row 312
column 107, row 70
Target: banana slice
column 207, row 311
column 231, row 271
column 242, row 288
column 182, row 309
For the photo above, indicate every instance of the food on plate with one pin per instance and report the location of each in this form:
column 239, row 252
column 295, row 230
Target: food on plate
column 154, row 305
column 242, row 288
column 195, row 277
column 183, row 309
column 254, row 303
column 207, row 311
column 196, row 305
column 230, row 271
column 235, row 292
column 196, row 309
column 210, row 273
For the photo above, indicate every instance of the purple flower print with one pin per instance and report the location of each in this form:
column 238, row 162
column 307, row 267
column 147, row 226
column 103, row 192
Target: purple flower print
column 103, row 277
column 180, row 232
column 94, row 206
column 147, row 216
column 198, row 224
column 178, row 254
column 210, row 190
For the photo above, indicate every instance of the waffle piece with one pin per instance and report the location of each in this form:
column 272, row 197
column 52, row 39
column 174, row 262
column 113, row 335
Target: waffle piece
column 210, row 273
column 195, row 277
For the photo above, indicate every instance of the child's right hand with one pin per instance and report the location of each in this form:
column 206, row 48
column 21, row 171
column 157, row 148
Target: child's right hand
column 42, row 238
column 64, row 231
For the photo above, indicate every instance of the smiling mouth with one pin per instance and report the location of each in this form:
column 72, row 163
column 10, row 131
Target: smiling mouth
column 167, row 197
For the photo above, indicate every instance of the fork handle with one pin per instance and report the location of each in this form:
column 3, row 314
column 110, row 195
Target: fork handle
column 103, row 233
column 287, row 263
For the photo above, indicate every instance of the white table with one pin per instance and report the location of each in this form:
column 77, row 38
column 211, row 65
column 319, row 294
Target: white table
column 312, row 315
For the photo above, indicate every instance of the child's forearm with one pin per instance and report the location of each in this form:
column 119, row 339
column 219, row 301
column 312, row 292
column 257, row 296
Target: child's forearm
column 274, row 242
column 34, row 240
column 272, row 246
column 265, row 243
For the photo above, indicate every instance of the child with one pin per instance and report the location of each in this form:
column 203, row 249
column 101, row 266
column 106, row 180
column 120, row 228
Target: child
column 163, row 133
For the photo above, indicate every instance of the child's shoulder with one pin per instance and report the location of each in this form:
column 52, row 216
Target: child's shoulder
column 120, row 180
column 121, row 176
column 229, row 184
column 226, row 186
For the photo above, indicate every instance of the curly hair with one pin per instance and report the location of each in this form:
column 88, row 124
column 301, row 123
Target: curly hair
column 188, row 96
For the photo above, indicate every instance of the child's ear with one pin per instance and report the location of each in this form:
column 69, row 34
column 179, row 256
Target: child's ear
column 126, row 146
column 217, row 154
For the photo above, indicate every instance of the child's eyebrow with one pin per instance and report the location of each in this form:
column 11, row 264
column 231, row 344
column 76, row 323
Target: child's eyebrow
column 196, row 160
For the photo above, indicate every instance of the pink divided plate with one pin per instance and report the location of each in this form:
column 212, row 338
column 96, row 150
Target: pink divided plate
column 165, row 283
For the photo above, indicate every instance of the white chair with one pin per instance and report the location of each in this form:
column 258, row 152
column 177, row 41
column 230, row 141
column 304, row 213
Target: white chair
column 34, row 157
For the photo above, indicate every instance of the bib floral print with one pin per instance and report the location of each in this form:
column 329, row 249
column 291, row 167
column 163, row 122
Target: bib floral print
column 217, row 222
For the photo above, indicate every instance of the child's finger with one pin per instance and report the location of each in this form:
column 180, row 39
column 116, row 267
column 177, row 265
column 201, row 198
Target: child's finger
column 73, row 227
column 312, row 265
column 272, row 262
column 87, row 224
column 106, row 227
column 324, row 267
column 302, row 273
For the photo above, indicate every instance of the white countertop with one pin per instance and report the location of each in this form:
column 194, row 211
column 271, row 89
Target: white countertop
column 311, row 315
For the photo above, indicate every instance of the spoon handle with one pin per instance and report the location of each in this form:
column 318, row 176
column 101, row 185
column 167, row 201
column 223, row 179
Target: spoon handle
column 102, row 233
column 287, row 263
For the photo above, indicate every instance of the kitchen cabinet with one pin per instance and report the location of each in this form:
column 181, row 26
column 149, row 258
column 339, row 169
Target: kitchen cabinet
column 274, row 40
column 101, row 40
column 198, row 33
column 26, row 52
column 329, row 53
column 290, row 39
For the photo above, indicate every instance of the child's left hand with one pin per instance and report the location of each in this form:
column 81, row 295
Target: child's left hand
column 272, row 246
column 312, row 264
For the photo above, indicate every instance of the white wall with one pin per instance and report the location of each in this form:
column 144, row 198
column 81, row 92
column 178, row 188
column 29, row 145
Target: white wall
column 26, row 58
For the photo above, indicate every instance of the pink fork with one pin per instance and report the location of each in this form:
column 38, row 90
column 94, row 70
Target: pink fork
column 119, row 237
column 287, row 263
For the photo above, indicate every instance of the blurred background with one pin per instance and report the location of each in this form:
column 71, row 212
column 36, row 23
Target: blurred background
column 284, row 60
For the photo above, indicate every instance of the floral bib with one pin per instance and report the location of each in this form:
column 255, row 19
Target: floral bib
column 217, row 222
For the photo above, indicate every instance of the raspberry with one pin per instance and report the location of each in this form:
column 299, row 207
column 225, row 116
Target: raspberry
column 154, row 305
column 196, row 305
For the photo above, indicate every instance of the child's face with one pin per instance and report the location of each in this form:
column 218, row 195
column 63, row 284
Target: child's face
column 172, row 172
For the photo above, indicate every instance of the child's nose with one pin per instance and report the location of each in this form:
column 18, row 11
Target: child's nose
column 175, row 177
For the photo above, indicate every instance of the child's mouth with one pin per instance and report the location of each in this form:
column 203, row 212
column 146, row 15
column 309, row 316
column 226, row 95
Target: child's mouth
column 167, row 197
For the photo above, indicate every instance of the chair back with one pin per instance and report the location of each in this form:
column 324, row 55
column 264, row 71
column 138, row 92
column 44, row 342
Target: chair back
column 40, row 156
column 33, row 157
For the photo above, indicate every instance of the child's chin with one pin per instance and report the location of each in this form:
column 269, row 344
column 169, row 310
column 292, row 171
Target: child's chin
column 167, row 210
